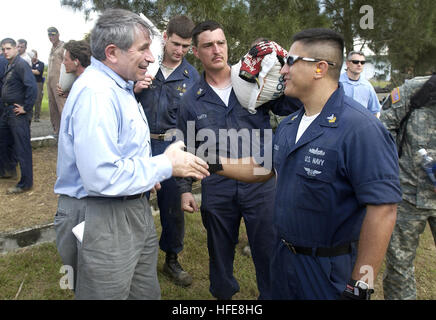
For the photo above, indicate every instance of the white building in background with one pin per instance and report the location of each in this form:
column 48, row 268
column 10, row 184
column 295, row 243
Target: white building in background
column 377, row 67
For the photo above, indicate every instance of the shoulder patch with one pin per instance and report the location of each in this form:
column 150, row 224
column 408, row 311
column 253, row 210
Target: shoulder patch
column 395, row 95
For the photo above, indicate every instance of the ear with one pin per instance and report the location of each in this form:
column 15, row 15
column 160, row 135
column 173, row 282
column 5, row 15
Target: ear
column 195, row 52
column 165, row 36
column 321, row 70
column 112, row 52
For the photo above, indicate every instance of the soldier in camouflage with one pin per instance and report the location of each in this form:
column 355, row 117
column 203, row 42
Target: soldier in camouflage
column 419, row 197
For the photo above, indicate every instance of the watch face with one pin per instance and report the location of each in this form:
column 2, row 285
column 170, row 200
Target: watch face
column 362, row 285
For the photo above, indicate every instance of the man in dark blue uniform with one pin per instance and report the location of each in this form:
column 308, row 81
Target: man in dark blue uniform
column 18, row 96
column 209, row 108
column 160, row 99
column 337, row 181
column 38, row 71
column 3, row 66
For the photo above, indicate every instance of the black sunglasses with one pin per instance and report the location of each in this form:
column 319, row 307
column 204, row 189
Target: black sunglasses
column 362, row 62
column 291, row 59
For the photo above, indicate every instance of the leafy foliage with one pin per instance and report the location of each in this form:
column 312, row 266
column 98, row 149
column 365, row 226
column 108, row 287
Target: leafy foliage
column 404, row 29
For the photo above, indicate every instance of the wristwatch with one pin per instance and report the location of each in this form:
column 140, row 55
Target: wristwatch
column 357, row 290
column 361, row 289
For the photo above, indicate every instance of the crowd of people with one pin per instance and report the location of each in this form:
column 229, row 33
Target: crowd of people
column 319, row 218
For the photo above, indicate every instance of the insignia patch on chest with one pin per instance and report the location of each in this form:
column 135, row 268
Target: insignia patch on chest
column 181, row 89
column 312, row 172
column 331, row 119
column 317, row 152
column 202, row 116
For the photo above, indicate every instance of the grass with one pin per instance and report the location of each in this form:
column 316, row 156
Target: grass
column 37, row 268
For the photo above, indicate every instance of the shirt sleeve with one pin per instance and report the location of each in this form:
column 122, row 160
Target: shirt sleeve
column 372, row 164
column 30, row 87
column 283, row 105
column 41, row 68
column 373, row 103
column 106, row 166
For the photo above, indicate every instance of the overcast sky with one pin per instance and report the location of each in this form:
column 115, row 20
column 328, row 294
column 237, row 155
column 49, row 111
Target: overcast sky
column 29, row 19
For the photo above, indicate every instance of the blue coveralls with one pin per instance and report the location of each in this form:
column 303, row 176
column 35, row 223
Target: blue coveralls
column 224, row 201
column 3, row 66
column 345, row 160
column 19, row 86
column 161, row 102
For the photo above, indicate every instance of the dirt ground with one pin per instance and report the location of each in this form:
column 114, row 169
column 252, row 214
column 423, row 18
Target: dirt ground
column 37, row 206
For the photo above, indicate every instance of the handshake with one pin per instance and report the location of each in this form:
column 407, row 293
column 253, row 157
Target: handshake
column 186, row 164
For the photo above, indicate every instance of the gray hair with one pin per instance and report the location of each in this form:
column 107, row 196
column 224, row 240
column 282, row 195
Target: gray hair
column 360, row 53
column 117, row 27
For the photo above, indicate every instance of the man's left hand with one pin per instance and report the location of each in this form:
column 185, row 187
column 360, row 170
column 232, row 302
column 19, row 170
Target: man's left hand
column 19, row 109
column 156, row 188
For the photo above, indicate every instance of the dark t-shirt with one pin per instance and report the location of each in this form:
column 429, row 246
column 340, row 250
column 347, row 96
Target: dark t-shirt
column 39, row 65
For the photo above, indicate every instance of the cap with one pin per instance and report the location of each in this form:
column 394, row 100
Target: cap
column 52, row 31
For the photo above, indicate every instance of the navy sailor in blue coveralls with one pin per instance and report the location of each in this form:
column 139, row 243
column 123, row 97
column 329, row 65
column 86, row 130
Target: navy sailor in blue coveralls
column 19, row 92
column 225, row 201
column 337, row 181
column 161, row 100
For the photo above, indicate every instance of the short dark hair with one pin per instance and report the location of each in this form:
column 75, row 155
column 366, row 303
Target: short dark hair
column 79, row 50
column 317, row 38
column 210, row 25
column 22, row 41
column 10, row 41
column 181, row 26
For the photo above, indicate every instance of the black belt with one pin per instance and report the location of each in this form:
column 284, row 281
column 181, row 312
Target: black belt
column 320, row 252
column 122, row 198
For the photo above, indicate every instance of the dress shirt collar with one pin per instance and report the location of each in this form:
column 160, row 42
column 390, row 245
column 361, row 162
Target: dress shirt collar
column 126, row 85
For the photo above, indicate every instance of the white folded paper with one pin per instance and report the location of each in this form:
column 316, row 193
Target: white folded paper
column 78, row 231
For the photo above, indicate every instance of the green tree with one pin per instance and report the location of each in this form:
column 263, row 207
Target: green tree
column 404, row 29
column 243, row 20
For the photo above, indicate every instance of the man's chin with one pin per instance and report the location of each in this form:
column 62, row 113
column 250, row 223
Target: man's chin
column 140, row 76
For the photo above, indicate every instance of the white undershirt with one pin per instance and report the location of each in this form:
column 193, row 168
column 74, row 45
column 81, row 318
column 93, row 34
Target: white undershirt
column 166, row 71
column 224, row 93
column 304, row 124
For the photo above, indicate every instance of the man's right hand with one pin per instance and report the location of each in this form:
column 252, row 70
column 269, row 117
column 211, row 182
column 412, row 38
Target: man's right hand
column 143, row 84
column 188, row 202
column 185, row 164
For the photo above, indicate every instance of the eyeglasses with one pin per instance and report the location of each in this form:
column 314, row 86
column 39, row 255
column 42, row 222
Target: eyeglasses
column 291, row 59
column 362, row 62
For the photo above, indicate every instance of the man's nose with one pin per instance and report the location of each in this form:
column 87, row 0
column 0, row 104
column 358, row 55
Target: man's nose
column 285, row 69
column 149, row 56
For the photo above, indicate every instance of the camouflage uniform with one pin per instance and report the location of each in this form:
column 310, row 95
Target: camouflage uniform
column 419, row 198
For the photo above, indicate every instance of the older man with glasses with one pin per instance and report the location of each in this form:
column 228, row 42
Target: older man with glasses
column 358, row 87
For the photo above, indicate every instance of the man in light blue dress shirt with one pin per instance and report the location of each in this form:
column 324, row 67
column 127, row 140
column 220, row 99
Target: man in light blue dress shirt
column 358, row 87
column 105, row 167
